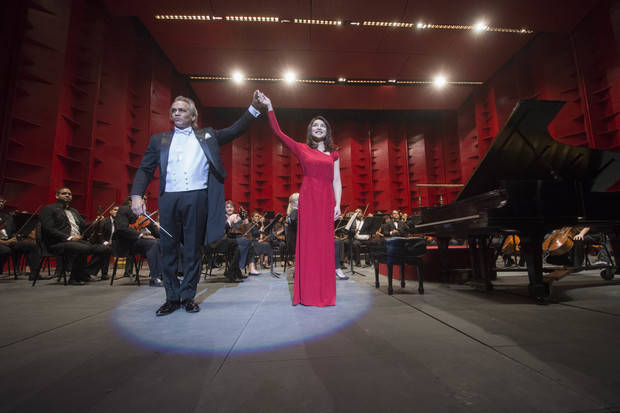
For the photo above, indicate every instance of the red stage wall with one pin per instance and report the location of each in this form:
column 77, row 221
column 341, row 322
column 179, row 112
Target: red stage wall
column 89, row 89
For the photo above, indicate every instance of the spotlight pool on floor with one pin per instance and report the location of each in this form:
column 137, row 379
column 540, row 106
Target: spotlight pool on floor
column 255, row 315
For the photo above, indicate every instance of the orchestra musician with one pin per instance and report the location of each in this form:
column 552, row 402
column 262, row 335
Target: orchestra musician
column 14, row 244
column 575, row 256
column 278, row 236
column 142, row 239
column 393, row 227
column 108, row 230
column 62, row 233
column 358, row 239
column 238, row 228
column 100, row 234
column 260, row 241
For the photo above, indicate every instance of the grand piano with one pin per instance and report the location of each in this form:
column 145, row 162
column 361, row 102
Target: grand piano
column 529, row 184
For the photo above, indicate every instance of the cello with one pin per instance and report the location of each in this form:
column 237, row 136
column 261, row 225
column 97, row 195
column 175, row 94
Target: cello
column 560, row 241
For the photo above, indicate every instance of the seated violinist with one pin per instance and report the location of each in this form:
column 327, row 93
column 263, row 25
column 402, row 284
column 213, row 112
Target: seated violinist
column 277, row 238
column 103, row 234
column 133, row 234
column 108, row 236
column 233, row 244
column 14, row 243
column 260, row 241
column 238, row 227
column 62, row 233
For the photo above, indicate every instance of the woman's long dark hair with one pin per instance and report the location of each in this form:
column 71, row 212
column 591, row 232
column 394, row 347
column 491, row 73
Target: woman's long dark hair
column 329, row 143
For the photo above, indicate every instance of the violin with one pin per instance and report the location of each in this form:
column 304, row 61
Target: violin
column 560, row 241
column 279, row 233
column 240, row 229
column 142, row 221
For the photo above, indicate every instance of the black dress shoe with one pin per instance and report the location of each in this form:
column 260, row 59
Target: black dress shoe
column 104, row 277
column 191, row 306
column 73, row 281
column 167, row 308
column 155, row 282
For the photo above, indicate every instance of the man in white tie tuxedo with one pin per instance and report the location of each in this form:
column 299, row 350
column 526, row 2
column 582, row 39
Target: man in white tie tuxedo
column 191, row 194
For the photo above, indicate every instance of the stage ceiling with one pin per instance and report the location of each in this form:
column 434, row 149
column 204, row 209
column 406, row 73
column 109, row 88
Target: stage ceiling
column 355, row 52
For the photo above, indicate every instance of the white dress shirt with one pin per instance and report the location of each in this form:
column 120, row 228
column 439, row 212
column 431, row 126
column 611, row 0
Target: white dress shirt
column 188, row 167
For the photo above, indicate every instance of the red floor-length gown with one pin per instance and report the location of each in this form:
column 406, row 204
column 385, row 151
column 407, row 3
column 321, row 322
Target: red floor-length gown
column 315, row 271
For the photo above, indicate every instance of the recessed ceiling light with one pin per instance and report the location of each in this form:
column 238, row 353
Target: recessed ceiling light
column 237, row 77
column 440, row 81
column 290, row 77
column 481, row 27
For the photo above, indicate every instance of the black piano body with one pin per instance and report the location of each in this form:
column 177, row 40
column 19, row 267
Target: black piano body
column 529, row 184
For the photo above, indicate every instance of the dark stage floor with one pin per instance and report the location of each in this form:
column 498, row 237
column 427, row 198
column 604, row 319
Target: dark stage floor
column 97, row 348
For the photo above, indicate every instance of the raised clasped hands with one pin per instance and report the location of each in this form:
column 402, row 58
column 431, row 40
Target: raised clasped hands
column 264, row 100
column 256, row 101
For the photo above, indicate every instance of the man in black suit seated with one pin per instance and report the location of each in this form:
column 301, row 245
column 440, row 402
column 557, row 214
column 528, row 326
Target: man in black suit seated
column 12, row 243
column 129, row 241
column 108, row 235
column 393, row 227
column 191, row 194
column 61, row 232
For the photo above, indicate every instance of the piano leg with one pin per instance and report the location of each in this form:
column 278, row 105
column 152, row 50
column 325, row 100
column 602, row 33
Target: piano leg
column 479, row 263
column 402, row 274
column 420, row 278
column 483, row 259
column 376, row 261
column 444, row 260
column 531, row 248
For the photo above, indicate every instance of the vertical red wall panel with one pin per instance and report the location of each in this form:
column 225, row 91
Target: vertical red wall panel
column 90, row 89
column 27, row 173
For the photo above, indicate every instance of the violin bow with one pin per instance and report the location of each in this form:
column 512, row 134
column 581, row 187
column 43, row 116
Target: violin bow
column 160, row 227
column 92, row 224
column 340, row 224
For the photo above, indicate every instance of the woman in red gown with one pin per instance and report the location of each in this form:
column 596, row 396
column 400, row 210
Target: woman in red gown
column 319, row 206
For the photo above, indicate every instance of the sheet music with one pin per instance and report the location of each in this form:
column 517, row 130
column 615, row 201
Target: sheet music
column 351, row 221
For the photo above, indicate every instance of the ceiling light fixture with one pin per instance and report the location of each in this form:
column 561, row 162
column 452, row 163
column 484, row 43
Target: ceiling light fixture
column 237, row 77
column 439, row 81
column 290, row 77
column 252, row 19
column 479, row 27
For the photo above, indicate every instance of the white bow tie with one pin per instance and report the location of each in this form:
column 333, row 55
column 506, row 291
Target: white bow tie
column 186, row 131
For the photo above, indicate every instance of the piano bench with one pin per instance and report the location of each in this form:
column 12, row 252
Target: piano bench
column 399, row 260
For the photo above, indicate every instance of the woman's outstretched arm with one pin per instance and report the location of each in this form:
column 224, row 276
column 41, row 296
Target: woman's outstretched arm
column 290, row 143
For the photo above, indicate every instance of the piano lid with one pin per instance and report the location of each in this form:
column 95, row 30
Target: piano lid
column 524, row 150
